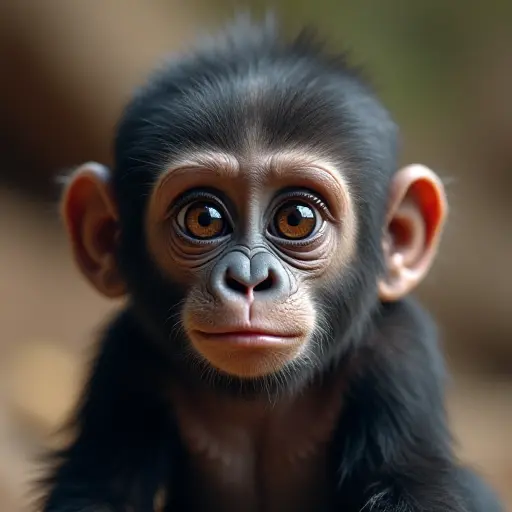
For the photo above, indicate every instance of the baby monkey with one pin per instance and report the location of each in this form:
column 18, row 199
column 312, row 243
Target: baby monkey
column 269, row 357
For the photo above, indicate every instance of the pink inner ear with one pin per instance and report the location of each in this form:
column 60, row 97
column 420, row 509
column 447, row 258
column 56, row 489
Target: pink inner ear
column 400, row 230
column 429, row 204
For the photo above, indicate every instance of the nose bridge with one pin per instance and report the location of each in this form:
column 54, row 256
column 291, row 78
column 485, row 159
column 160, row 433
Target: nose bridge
column 249, row 229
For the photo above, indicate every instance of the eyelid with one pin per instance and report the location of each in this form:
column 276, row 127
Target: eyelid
column 197, row 195
column 306, row 196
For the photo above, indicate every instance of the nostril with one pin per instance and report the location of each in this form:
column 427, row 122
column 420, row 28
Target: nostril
column 264, row 285
column 235, row 285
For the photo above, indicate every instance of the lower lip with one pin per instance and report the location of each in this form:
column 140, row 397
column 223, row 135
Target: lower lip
column 252, row 340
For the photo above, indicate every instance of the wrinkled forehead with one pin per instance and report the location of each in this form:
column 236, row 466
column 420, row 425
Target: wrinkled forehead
column 257, row 164
column 252, row 173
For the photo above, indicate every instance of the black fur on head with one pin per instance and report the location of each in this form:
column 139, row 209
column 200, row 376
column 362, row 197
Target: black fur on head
column 250, row 84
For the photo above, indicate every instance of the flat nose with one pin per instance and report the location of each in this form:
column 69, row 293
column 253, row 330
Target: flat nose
column 238, row 284
column 237, row 277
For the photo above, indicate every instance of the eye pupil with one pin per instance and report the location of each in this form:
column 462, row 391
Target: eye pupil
column 294, row 218
column 204, row 219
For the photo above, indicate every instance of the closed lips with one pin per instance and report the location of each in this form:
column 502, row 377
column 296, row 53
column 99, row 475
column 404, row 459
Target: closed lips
column 249, row 337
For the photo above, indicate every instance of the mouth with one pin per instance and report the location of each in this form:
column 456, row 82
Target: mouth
column 248, row 338
column 247, row 352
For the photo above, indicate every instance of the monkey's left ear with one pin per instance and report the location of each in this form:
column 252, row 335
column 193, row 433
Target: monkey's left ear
column 416, row 216
column 90, row 214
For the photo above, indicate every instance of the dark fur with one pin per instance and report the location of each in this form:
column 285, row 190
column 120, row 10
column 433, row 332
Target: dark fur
column 392, row 449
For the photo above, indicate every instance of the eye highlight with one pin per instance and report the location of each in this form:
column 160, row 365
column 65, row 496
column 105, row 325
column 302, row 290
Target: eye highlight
column 203, row 220
column 295, row 220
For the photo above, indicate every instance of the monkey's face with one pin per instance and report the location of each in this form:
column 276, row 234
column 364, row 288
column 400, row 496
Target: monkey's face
column 252, row 242
column 266, row 264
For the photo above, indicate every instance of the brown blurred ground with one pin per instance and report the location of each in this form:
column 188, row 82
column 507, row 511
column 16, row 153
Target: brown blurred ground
column 68, row 69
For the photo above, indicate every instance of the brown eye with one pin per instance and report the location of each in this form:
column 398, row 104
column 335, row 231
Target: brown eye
column 203, row 221
column 295, row 221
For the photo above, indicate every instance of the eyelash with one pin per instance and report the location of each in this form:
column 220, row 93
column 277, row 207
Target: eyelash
column 201, row 194
column 305, row 196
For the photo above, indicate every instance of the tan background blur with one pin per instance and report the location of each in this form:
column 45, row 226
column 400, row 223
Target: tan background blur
column 444, row 69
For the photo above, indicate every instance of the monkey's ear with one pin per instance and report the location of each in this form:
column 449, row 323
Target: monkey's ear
column 91, row 219
column 416, row 216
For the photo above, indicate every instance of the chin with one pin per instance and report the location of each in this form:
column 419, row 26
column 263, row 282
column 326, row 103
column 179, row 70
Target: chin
column 250, row 372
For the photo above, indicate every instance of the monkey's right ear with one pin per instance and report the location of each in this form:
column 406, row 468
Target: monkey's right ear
column 90, row 215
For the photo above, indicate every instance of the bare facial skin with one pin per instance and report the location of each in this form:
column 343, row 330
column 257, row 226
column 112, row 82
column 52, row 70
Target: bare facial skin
column 252, row 333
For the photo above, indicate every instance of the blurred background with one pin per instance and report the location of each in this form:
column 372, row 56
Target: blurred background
column 68, row 67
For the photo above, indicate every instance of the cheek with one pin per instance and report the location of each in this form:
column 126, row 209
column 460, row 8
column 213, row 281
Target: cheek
column 295, row 316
